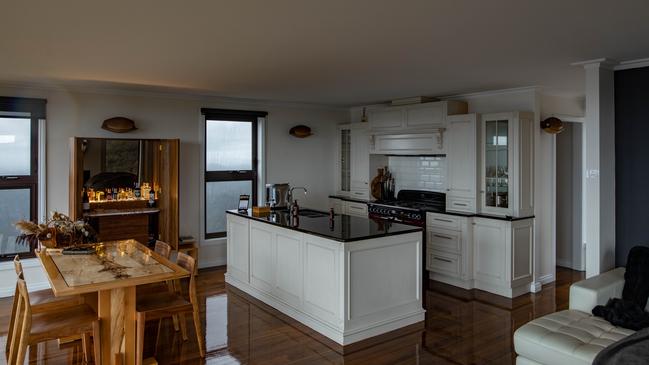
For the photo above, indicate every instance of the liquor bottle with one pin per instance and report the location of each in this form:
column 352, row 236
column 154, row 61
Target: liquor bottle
column 109, row 195
column 137, row 191
column 85, row 202
column 151, row 198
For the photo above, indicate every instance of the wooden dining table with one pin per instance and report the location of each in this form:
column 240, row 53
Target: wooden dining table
column 113, row 272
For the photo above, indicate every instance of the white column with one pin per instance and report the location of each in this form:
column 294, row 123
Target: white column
column 599, row 166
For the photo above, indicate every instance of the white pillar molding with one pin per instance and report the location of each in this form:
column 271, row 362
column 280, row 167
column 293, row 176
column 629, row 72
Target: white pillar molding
column 598, row 209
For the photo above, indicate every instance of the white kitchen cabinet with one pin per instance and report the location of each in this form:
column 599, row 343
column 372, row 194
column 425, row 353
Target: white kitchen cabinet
column 449, row 249
column 338, row 205
column 461, row 139
column 507, row 166
column 346, row 291
column 386, row 119
column 414, row 117
column 503, row 255
column 356, row 209
column 493, row 255
column 424, row 115
column 408, row 144
column 344, row 159
column 341, row 206
column 353, row 161
column 238, row 265
column 360, row 157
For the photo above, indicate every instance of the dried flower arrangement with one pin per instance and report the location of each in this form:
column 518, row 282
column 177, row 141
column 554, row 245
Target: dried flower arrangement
column 57, row 231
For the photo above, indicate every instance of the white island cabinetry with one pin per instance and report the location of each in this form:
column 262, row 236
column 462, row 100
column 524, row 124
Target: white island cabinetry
column 347, row 291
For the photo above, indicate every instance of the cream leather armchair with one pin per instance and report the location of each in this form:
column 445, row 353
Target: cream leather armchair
column 573, row 336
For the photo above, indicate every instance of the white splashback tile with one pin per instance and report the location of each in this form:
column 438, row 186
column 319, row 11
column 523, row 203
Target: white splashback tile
column 419, row 172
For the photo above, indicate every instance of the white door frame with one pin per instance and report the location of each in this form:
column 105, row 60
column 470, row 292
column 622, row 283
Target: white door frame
column 570, row 119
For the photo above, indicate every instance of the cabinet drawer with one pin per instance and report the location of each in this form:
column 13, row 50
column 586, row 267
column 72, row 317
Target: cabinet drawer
column 444, row 240
column 360, row 194
column 460, row 204
column 443, row 221
column 443, row 263
column 358, row 209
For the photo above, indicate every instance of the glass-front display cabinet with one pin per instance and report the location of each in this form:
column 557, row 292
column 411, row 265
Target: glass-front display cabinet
column 507, row 164
column 497, row 163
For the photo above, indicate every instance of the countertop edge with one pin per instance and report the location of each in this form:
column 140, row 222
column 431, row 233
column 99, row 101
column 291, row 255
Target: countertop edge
column 414, row 229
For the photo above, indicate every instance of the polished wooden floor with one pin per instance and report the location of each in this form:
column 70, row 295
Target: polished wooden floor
column 462, row 327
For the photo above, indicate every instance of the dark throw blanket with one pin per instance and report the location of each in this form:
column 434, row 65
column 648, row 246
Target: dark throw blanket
column 633, row 350
column 628, row 311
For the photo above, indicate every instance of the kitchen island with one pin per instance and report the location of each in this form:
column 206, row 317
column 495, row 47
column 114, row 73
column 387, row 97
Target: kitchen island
column 348, row 279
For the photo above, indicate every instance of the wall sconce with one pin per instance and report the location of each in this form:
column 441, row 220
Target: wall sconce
column 300, row 131
column 552, row 125
column 119, row 125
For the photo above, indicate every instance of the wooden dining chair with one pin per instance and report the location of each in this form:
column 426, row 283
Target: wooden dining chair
column 166, row 304
column 31, row 328
column 163, row 249
column 40, row 301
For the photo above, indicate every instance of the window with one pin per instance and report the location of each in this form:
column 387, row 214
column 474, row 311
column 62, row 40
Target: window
column 19, row 125
column 231, row 163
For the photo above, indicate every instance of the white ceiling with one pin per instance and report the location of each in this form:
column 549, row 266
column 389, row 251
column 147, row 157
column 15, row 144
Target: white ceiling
column 343, row 52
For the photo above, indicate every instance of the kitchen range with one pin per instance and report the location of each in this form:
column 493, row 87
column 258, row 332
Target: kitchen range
column 410, row 207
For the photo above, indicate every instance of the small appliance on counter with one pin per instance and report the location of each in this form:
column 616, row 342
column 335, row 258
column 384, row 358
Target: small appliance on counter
column 277, row 195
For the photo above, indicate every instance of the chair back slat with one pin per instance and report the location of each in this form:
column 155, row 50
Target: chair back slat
column 163, row 249
column 18, row 266
column 188, row 263
column 22, row 324
column 14, row 307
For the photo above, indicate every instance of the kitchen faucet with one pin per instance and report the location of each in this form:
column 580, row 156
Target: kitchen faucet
column 290, row 194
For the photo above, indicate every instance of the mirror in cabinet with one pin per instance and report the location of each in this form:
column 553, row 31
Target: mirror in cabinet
column 126, row 188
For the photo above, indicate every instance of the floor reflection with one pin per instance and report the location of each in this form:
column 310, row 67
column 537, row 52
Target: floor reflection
column 461, row 328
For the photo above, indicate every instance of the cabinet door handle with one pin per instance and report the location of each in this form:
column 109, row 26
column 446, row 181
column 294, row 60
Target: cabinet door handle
column 443, row 237
column 443, row 260
column 443, row 220
column 460, row 204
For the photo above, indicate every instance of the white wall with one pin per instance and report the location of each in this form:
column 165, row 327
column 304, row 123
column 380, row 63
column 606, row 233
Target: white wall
column 568, row 197
column 306, row 162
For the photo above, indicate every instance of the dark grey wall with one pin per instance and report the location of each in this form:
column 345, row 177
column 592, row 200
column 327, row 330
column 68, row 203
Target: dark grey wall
column 631, row 161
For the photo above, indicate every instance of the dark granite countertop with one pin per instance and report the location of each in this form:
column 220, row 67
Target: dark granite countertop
column 482, row 215
column 345, row 228
column 113, row 212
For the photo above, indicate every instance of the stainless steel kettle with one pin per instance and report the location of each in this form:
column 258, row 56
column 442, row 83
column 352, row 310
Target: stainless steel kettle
column 277, row 195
